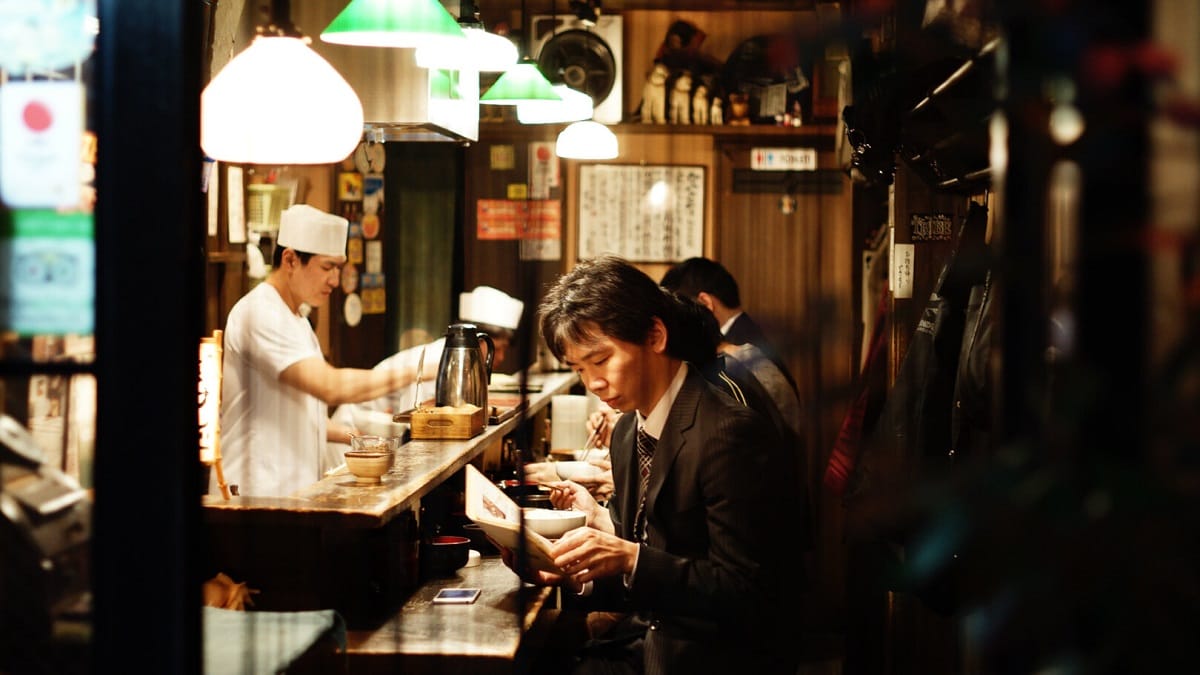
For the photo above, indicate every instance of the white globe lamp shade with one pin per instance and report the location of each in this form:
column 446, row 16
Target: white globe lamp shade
column 279, row 102
column 575, row 106
column 586, row 140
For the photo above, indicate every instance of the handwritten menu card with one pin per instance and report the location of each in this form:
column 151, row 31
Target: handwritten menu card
column 641, row 213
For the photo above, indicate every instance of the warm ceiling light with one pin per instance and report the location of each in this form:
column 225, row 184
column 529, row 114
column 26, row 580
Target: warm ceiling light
column 484, row 52
column 520, row 83
column 394, row 23
column 575, row 106
column 586, row 140
column 279, row 102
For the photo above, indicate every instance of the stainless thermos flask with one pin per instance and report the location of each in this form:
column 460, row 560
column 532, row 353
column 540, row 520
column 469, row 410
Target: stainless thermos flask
column 464, row 373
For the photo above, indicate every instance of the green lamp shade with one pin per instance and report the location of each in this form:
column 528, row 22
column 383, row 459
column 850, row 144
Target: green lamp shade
column 394, row 23
column 523, row 82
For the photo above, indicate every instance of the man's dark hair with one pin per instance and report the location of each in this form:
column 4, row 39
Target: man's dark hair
column 696, row 275
column 693, row 334
column 605, row 294
column 277, row 256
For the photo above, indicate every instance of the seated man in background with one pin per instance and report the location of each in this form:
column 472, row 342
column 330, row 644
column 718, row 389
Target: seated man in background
column 714, row 287
column 694, row 548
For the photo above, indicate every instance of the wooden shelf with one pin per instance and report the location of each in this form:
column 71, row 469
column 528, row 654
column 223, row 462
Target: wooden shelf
column 232, row 256
column 809, row 131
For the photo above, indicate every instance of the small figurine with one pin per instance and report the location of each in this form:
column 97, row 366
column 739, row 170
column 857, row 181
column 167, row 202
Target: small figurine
column 654, row 96
column 715, row 114
column 700, row 105
column 681, row 99
column 739, row 108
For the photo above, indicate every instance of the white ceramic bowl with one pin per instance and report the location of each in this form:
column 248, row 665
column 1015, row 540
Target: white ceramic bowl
column 553, row 523
column 575, row 469
column 594, row 453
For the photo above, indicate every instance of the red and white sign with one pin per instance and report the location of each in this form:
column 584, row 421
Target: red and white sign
column 783, row 159
column 41, row 131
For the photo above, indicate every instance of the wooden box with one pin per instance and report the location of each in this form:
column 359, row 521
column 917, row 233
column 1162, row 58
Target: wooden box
column 446, row 422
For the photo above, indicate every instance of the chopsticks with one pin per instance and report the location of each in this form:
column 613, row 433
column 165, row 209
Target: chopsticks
column 417, row 386
column 590, row 443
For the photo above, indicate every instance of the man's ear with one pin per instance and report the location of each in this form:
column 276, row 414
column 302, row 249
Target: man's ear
column 657, row 339
column 706, row 300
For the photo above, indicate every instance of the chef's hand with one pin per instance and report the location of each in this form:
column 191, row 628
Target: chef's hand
column 586, row 554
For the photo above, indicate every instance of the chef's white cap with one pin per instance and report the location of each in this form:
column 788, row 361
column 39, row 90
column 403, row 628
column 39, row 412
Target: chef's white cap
column 311, row 230
column 491, row 306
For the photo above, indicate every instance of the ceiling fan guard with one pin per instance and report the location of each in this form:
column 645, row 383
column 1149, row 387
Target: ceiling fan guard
column 580, row 60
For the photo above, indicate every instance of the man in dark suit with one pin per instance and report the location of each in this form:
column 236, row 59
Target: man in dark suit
column 695, row 545
column 714, row 287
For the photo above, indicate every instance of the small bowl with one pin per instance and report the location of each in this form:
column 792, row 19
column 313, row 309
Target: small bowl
column 374, row 444
column 576, row 469
column 368, row 467
column 442, row 555
column 553, row 523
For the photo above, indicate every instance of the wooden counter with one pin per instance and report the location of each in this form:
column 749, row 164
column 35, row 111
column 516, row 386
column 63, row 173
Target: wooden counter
column 481, row 637
column 419, row 467
column 336, row 544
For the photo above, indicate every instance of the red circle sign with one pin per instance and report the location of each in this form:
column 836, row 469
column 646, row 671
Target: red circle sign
column 370, row 225
column 37, row 116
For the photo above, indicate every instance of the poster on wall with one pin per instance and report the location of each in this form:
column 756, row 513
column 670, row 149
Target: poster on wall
column 641, row 213
column 543, row 170
column 518, row 219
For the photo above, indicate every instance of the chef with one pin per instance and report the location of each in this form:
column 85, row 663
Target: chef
column 277, row 386
column 493, row 311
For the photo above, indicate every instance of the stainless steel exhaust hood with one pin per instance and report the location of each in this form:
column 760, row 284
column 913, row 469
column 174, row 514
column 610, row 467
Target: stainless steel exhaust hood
column 401, row 101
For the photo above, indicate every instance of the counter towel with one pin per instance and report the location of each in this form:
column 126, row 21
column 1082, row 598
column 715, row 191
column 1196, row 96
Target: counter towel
column 245, row 643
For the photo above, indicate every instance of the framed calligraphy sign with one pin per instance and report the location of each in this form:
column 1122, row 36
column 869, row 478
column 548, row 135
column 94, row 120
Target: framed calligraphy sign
column 641, row 213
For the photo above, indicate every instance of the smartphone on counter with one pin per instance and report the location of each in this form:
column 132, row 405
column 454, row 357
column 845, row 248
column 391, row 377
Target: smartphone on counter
column 456, row 596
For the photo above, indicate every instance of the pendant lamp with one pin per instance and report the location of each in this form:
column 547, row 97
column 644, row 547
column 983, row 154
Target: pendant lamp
column 520, row 83
column 279, row 102
column 484, row 52
column 394, row 23
column 586, row 140
column 575, row 106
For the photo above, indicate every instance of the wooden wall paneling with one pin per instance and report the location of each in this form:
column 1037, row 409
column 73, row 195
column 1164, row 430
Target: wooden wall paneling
column 796, row 275
column 497, row 262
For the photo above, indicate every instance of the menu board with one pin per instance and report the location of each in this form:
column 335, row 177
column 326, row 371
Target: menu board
column 641, row 213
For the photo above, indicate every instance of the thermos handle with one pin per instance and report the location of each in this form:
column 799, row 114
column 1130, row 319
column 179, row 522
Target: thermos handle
column 491, row 353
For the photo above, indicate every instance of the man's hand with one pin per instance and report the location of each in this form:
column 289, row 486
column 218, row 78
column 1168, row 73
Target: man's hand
column 586, row 554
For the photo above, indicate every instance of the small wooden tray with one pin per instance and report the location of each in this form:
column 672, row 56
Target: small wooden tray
column 446, row 422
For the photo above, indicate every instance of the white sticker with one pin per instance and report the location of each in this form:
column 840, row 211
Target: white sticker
column 352, row 310
column 41, row 131
column 903, row 258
